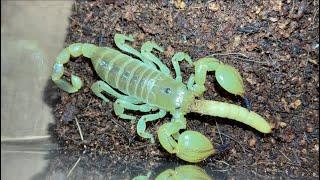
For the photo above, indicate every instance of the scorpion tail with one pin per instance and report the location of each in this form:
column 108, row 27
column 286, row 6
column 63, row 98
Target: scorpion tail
column 74, row 50
column 231, row 111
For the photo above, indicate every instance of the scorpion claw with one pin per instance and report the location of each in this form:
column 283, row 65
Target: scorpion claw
column 192, row 146
column 229, row 78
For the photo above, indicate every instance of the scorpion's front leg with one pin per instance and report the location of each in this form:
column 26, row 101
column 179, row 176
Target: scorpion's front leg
column 227, row 76
column 141, row 126
column 192, row 146
column 120, row 40
column 175, row 62
column 146, row 52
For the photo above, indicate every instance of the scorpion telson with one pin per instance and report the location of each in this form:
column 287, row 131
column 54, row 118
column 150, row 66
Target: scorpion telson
column 147, row 85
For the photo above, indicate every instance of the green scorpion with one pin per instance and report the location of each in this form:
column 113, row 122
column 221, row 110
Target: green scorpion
column 186, row 172
column 148, row 85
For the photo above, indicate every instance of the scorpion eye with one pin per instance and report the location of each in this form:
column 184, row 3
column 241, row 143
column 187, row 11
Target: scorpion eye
column 167, row 90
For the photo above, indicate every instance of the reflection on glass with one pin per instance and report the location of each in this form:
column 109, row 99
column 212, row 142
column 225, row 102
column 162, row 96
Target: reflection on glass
column 184, row 172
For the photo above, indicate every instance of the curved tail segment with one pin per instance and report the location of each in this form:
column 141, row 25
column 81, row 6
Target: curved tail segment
column 74, row 50
column 231, row 111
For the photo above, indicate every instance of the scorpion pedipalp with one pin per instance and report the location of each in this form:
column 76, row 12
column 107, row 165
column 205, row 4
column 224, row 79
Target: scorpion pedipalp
column 191, row 146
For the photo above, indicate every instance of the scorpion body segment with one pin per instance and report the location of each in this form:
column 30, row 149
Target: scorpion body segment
column 134, row 78
column 147, row 85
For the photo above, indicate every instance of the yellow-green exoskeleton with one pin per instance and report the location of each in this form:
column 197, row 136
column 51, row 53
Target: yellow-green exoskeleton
column 147, row 85
column 186, row 172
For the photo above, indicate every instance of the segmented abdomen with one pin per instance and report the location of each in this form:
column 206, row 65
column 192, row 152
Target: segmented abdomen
column 130, row 76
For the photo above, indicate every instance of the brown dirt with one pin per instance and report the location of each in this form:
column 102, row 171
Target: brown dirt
column 274, row 45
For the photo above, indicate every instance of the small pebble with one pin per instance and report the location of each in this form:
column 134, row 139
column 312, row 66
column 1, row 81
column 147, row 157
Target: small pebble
column 273, row 19
column 233, row 151
column 252, row 142
column 214, row 6
column 315, row 148
column 309, row 129
column 169, row 52
column 303, row 142
column 283, row 124
column 180, row 4
column 296, row 104
column 304, row 151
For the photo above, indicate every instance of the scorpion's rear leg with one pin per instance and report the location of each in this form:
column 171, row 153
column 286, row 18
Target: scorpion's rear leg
column 141, row 127
column 123, row 101
column 146, row 52
column 175, row 62
column 100, row 86
column 121, row 104
column 120, row 39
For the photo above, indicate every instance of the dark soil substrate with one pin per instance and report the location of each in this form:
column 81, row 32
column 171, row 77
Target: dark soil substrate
column 274, row 45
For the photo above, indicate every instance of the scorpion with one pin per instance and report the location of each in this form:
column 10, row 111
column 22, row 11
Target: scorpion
column 143, row 83
column 180, row 172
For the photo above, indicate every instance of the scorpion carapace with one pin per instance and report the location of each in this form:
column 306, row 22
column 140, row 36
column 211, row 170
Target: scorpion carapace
column 147, row 85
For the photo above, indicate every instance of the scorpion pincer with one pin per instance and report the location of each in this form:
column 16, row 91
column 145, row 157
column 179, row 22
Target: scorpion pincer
column 147, row 85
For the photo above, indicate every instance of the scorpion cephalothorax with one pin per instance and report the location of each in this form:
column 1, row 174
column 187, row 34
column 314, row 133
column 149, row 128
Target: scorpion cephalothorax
column 148, row 85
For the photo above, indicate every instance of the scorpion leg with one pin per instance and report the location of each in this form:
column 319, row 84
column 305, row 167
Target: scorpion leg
column 175, row 62
column 190, row 82
column 121, row 104
column 123, row 101
column 120, row 39
column 192, row 146
column 141, row 126
column 100, row 86
column 146, row 52
column 227, row 76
